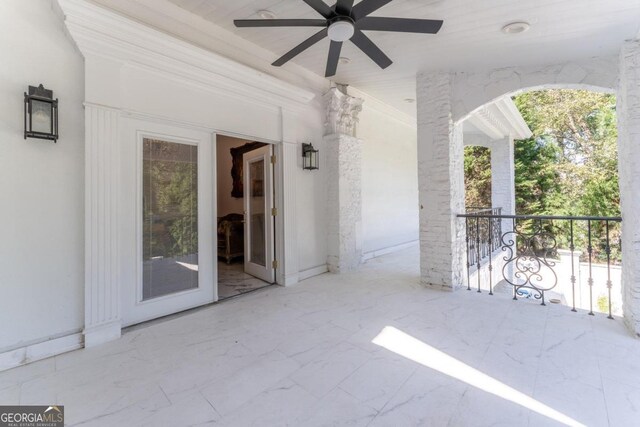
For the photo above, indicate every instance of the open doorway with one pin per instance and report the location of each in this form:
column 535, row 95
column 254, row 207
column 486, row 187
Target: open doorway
column 245, row 225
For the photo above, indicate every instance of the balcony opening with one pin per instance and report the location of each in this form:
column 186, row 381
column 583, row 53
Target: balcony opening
column 543, row 211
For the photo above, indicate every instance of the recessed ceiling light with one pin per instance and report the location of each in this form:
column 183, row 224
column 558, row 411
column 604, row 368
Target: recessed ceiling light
column 516, row 27
column 344, row 60
column 409, row 100
column 266, row 14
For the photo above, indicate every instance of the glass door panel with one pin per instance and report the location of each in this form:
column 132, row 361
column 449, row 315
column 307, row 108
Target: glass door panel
column 259, row 228
column 258, row 214
column 170, row 218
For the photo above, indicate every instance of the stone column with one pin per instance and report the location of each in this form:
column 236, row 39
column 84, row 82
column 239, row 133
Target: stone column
column 503, row 190
column 628, row 108
column 503, row 187
column 344, row 181
column 440, row 183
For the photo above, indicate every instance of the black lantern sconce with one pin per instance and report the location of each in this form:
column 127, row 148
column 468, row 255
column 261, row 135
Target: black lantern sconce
column 40, row 114
column 310, row 160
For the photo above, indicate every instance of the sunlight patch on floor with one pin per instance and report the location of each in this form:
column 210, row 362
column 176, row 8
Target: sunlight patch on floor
column 407, row 346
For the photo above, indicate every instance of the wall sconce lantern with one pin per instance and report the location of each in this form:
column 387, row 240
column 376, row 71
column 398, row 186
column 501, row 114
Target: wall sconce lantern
column 310, row 160
column 40, row 114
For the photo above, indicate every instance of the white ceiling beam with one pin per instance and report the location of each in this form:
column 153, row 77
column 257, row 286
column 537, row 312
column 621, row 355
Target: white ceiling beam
column 519, row 128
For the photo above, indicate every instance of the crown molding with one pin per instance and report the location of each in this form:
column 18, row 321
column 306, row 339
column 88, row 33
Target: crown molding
column 100, row 32
column 382, row 107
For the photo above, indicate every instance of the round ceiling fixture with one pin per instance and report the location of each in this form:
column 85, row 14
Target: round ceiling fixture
column 516, row 27
column 409, row 100
column 266, row 14
column 344, row 60
column 341, row 31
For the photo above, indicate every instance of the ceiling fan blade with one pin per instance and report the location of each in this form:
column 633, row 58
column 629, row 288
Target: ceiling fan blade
column 367, row 46
column 366, row 7
column 334, row 57
column 343, row 7
column 320, row 7
column 301, row 47
column 427, row 26
column 280, row 22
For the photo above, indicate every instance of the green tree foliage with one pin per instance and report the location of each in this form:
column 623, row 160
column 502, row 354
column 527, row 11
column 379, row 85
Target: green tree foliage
column 578, row 131
column 477, row 176
column 170, row 178
column 569, row 165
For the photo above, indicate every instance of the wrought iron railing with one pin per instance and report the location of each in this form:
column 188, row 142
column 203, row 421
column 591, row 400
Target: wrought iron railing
column 529, row 248
column 483, row 236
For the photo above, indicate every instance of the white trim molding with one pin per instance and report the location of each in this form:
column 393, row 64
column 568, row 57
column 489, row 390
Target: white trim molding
column 312, row 272
column 38, row 351
column 389, row 250
column 102, row 293
column 286, row 225
column 100, row 32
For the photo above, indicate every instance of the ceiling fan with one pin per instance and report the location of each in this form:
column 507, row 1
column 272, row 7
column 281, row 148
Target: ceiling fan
column 344, row 21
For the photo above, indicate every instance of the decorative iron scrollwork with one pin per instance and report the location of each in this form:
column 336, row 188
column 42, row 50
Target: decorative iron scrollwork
column 532, row 268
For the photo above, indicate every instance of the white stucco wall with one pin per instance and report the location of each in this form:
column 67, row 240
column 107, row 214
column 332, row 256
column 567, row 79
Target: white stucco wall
column 41, row 183
column 42, row 259
column 389, row 180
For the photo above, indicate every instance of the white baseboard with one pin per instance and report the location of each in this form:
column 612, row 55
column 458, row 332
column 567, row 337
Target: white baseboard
column 289, row 280
column 314, row 271
column 42, row 350
column 100, row 334
column 389, row 250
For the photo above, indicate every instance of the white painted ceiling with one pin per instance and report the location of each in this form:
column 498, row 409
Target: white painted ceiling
column 471, row 37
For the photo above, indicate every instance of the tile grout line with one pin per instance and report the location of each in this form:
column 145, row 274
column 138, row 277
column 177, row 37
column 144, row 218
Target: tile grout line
column 604, row 394
column 535, row 380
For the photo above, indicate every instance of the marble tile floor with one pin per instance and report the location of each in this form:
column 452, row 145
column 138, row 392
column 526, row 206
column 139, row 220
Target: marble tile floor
column 232, row 280
column 370, row 348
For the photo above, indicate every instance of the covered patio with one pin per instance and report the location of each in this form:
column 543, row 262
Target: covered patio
column 363, row 348
column 369, row 317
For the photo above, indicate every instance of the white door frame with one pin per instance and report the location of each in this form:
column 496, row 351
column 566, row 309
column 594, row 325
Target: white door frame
column 134, row 308
column 176, row 131
column 278, row 201
column 265, row 272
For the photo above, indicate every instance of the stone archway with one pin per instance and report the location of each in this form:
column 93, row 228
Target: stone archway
column 445, row 99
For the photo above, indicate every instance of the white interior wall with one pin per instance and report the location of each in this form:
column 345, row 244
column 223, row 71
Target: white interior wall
column 41, row 183
column 226, row 203
column 389, row 180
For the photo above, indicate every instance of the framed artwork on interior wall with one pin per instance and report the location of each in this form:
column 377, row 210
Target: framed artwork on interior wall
column 258, row 188
column 237, row 189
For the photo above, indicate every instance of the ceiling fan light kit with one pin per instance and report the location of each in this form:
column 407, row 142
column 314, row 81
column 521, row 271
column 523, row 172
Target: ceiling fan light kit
column 345, row 22
column 341, row 30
